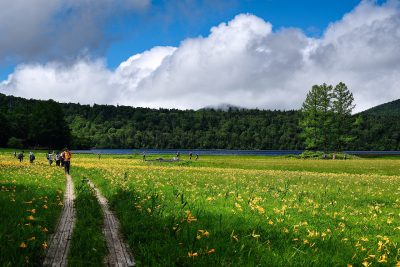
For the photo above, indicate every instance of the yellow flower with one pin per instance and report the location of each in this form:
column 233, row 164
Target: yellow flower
column 23, row 245
column 211, row 251
column 189, row 217
column 254, row 235
column 382, row 258
column 32, row 238
column 30, row 218
column 45, row 245
column 192, row 254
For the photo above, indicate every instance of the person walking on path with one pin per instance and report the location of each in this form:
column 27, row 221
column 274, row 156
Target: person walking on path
column 197, row 156
column 62, row 159
column 21, row 156
column 31, row 157
column 190, row 155
column 67, row 160
column 58, row 159
column 50, row 158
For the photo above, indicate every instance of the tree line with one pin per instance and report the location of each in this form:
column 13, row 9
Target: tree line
column 35, row 123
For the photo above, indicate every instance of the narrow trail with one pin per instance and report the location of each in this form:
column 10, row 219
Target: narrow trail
column 60, row 241
column 118, row 251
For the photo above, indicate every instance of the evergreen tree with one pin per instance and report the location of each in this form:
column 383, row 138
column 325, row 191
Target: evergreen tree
column 317, row 117
column 342, row 105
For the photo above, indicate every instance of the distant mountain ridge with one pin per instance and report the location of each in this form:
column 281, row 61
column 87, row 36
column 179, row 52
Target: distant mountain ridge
column 387, row 109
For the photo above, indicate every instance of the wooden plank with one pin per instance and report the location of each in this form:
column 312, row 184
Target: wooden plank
column 118, row 251
column 60, row 240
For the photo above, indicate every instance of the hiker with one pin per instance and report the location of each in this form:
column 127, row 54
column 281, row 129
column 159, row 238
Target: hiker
column 67, row 160
column 98, row 155
column 31, row 157
column 178, row 154
column 62, row 160
column 21, row 156
column 144, row 156
column 58, row 159
column 15, row 154
column 190, row 155
column 334, row 156
column 197, row 156
column 50, row 158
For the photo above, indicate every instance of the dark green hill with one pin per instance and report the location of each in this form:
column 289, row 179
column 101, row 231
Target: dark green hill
column 29, row 123
column 387, row 109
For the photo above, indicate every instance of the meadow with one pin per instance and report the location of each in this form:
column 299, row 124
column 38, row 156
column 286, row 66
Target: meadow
column 220, row 210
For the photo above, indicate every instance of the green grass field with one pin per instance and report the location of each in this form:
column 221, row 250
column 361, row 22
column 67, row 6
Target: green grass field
column 228, row 210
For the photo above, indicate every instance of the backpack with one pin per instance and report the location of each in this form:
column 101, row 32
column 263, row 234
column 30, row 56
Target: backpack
column 67, row 156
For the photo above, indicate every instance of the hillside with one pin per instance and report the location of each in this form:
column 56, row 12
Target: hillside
column 387, row 109
column 35, row 123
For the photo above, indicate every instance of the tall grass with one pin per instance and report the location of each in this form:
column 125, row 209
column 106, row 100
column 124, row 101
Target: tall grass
column 230, row 213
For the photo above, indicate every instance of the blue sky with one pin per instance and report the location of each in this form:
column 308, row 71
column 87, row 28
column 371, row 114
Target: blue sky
column 312, row 16
column 196, row 53
column 163, row 23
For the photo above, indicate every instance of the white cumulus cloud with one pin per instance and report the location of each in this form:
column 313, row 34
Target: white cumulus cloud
column 242, row 62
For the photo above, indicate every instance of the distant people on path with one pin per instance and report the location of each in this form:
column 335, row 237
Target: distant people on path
column 334, row 156
column 50, row 158
column 144, row 156
column 15, row 154
column 21, row 156
column 197, row 156
column 67, row 160
column 178, row 154
column 62, row 162
column 31, row 157
column 58, row 159
column 98, row 155
column 190, row 155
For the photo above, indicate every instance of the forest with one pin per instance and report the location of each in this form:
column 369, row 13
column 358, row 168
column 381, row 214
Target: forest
column 48, row 124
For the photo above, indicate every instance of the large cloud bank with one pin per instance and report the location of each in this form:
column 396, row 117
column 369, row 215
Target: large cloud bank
column 57, row 29
column 242, row 62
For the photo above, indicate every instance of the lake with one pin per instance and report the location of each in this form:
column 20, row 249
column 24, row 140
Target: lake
column 218, row 152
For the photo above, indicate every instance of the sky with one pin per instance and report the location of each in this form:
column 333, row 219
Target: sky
column 189, row 54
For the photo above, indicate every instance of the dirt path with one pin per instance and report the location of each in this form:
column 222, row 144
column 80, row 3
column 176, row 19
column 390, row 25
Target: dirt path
column 60, row 241
column 118, row 251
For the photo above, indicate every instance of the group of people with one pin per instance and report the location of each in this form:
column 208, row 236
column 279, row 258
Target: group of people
column 62, row 159
column 178, row 155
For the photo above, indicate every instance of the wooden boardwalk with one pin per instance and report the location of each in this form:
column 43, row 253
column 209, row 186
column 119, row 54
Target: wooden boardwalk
column 60, row 241
column 118, row 251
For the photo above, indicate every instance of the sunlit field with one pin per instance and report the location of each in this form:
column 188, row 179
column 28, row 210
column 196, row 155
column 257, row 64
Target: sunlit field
column 239, row 211
column 254, row 210
column 30, row 202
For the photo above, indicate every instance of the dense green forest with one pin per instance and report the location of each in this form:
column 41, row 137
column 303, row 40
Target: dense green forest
column 35, row 123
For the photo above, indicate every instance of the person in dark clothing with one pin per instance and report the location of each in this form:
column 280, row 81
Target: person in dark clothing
column 31, row 157
column 21, row 156
column 190, row 155
column 58, row 159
